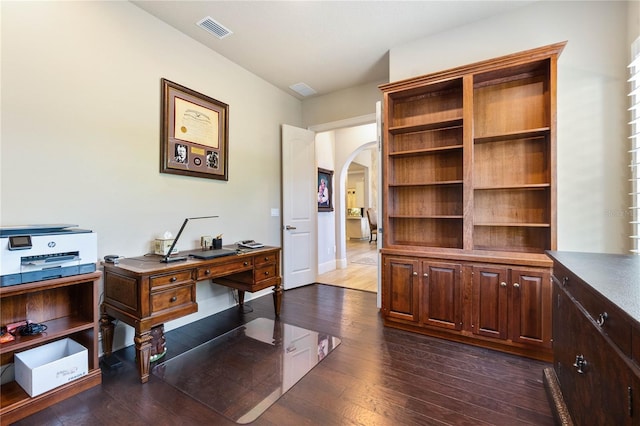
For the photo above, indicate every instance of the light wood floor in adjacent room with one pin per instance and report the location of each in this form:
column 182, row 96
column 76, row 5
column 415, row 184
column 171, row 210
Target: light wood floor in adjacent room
column 361, row 272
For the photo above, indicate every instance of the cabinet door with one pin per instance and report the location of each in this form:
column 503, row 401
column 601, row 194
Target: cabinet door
column 597, row 386
column 401, row 292
column 441, row 295
column 490, row 302
column 530, row 319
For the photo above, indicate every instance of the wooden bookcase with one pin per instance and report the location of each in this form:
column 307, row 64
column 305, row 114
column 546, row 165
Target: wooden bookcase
column 69, row 308
column 469, row 180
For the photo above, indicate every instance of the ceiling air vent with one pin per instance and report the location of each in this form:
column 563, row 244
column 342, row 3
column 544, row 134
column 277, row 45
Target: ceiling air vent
column 302, row 89
column 215, row 28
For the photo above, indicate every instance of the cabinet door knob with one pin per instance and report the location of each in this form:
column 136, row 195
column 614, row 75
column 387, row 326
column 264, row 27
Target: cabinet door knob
column 246, row 263
column 516, row 285
column 602, row 318
column 503, row 284
column 415, row 274
column 580, row 364
column 425, row 275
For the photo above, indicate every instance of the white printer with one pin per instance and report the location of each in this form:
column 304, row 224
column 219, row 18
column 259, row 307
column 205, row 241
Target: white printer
column 40, row 252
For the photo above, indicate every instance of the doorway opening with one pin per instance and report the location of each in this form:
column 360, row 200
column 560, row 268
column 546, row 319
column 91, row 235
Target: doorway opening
column 356, row 190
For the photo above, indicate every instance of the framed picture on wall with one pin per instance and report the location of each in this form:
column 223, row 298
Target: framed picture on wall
column 194, row 138
column 325, row 190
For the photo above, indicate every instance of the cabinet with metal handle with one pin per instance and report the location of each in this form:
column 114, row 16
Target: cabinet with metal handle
column 595, row 377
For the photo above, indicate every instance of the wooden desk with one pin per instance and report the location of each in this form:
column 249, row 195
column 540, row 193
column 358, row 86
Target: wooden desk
column 144, row 293
column 595, row 377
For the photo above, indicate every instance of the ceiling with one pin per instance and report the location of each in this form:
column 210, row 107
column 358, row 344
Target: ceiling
column 328, row 45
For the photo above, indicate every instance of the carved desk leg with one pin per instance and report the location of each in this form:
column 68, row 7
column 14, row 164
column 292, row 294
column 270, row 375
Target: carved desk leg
column 277, row 298
column 143, row 353
column 241, row 298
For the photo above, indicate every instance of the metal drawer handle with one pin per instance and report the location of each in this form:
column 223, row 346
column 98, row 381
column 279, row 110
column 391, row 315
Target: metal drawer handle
column 602, row 318
column 173, row 299
column 173, row 279
column 580, row 364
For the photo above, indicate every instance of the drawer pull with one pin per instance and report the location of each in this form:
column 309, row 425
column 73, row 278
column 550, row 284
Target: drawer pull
column 207, row 272
column 246, row 263
column 503, row 284
column 516, row 285
column 173, row 299
column 266, row 258
column 602, row 318
column 266, row 273
column 173, row 279
column 580, row 364
column 565, row 280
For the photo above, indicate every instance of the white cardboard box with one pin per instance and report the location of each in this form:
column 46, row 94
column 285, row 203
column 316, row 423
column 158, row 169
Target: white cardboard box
column 48, row 366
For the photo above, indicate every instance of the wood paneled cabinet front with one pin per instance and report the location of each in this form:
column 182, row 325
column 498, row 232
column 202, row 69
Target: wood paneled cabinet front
column 423, row 292
column 512, row 304
column 401, row 293
column 493, row 305
column 441, row 295
column 597, row 384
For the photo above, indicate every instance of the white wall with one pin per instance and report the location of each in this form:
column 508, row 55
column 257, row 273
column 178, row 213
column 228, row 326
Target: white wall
column 80, row 130
column 325, row 157
column 592, row 118
column 344, row 104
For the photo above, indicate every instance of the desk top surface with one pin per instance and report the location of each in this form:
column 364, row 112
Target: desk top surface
column 614, row 276
column 150, row 263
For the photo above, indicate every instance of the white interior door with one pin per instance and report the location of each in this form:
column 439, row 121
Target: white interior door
column 299, row 208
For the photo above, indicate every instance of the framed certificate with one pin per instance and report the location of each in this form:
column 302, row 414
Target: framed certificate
column 194, row 138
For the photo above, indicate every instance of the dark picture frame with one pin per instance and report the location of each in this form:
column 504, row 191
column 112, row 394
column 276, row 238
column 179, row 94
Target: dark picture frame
column 325, row 193
column 194, row 133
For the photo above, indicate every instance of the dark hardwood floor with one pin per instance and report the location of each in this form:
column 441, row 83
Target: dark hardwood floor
column 377, row 376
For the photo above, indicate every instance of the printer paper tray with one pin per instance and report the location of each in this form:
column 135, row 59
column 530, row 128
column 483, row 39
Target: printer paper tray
column 46, row 274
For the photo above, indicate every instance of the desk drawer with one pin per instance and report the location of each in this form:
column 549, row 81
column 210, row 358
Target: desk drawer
column 172, row 298
column 610, row 319
column 262, row 259
column 170, row 279
column 219, row 270
column 264, row 273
